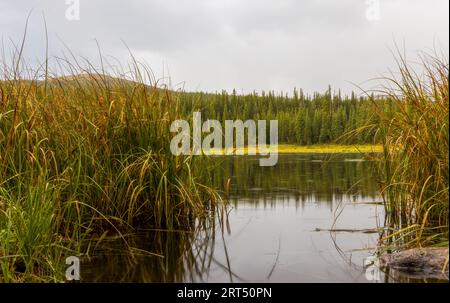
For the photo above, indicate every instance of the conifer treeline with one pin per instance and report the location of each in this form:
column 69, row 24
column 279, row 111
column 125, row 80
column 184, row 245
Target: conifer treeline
column 302, row 119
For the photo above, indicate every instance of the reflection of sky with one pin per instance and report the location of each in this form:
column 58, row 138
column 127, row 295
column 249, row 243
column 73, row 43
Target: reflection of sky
column 305, row 255
column 273, row 236
column 283, row 219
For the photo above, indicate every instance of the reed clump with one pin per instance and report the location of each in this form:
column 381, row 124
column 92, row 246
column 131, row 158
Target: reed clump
column 413, row 127
column 86, row 156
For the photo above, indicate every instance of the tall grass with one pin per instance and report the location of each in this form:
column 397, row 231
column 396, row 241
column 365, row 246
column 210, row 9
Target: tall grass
column 414, row 129
column 84, row 156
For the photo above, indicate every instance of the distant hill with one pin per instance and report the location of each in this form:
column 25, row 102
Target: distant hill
column 83, row 79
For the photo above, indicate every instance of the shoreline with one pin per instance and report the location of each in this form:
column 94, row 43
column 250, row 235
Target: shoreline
column 304, row 149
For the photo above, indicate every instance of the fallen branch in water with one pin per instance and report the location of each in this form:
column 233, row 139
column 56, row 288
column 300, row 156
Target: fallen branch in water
column 366, row 231
column 276, row 260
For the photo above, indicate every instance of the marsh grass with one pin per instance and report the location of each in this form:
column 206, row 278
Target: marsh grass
column 86, row 156
column 413, row 128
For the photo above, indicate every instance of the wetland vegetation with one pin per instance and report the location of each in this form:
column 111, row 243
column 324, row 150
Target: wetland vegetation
column 85, row 162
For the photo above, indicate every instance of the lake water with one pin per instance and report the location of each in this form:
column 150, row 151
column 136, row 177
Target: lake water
column 278, row 228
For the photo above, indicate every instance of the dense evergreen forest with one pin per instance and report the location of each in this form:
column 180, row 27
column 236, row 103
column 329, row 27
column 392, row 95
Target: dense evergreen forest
column 302, row 119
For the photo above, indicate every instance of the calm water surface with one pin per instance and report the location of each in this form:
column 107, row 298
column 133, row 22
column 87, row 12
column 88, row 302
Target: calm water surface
column 277, row 228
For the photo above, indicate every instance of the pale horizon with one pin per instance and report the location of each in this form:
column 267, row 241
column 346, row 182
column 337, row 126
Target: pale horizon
column 247, row 46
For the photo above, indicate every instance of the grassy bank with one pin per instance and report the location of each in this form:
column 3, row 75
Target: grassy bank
column 415, row 168
column 83, row 158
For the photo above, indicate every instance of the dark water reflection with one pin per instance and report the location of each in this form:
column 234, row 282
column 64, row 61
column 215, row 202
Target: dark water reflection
column 276, row 229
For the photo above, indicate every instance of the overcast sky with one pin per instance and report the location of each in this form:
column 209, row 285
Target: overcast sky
column 247, row 44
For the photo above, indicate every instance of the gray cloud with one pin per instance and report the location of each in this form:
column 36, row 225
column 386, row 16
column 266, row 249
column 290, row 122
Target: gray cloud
column 250, row 44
